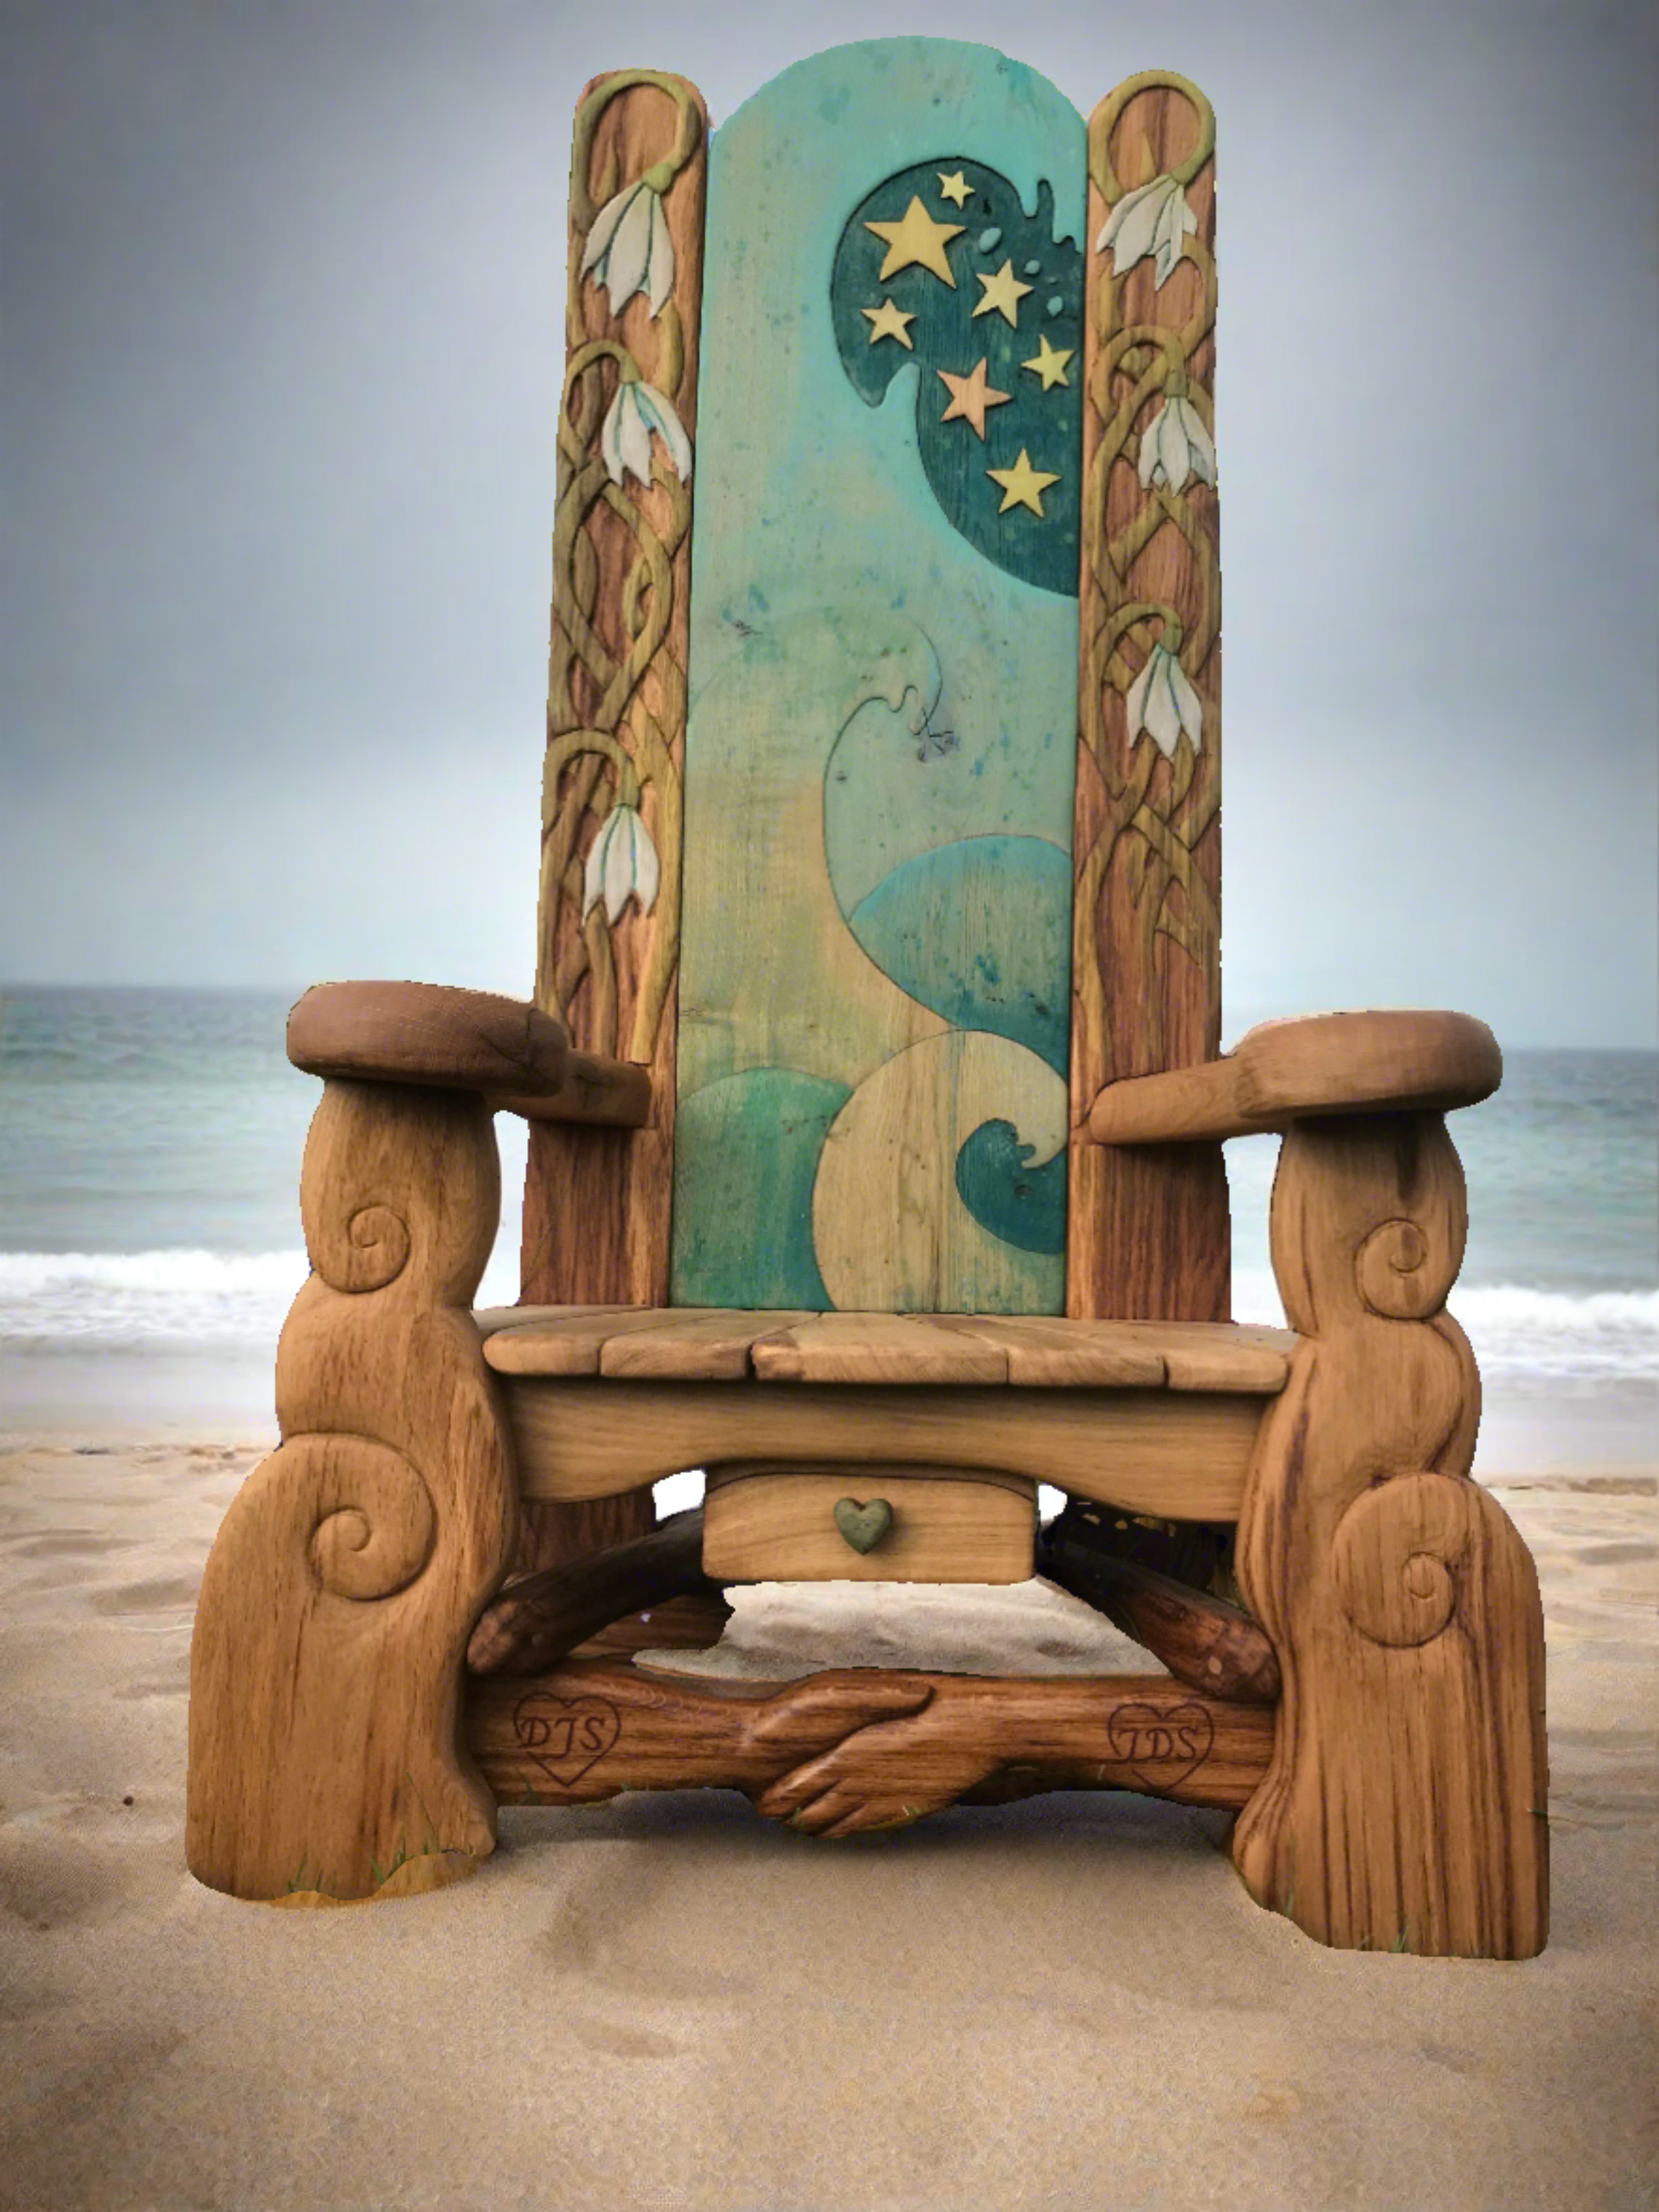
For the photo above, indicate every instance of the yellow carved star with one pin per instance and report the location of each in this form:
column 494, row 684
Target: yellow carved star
column 889, row 320
column 1050, row 362
column 1022, row 485
column 917, row 241
column 970, row 395
column 1003, row 292
column 956, row 188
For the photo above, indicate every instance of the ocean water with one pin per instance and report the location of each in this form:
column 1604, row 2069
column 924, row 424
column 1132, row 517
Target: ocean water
column 150, row 1244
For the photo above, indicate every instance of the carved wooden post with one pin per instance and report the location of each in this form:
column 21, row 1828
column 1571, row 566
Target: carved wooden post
column 327, row 1666
column 1405, row 1806
column 1148, row 1225
column 608, row 927
column 596, row 1215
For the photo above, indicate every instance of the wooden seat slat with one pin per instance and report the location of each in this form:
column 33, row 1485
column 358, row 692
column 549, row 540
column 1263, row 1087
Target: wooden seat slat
column 491, row 1320
column 856, row 1347
column 692, row 1348
column 574, row 1343
column 706, row 1344
column 1056, row 1353
column 1208, row 1355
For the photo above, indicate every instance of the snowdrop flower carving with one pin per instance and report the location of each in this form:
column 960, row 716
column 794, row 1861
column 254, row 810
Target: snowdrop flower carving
column 1175, row 445
column 1152, row 219
column 625, row 435
column 622, row 865
column 1163, row 701
column 628, row 249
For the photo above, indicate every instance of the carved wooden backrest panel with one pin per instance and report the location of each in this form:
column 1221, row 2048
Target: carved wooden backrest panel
column 880, row 758
column 851, row 845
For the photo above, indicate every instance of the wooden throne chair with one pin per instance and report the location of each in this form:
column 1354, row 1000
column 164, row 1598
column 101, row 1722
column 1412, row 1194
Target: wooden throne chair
column 876, row 1101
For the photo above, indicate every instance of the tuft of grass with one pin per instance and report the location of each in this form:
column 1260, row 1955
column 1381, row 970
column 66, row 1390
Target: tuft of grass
column 429, row 1844
column 429, row 1848
column 314, row 1883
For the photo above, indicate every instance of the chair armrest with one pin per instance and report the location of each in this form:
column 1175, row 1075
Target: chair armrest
column 615, row 1092
column 1281, row 1071
column 520, row 1059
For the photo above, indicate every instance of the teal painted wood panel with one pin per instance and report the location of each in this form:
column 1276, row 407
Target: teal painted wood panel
column 874, row 985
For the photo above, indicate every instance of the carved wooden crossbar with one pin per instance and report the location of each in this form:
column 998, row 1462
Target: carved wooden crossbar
column 424, row 1603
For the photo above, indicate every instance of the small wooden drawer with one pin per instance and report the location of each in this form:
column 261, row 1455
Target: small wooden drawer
column 948, row 1525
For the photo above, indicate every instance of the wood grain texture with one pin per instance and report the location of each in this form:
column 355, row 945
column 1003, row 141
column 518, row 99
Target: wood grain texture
column 1406, row 1805
column 1407, row 1061
column 880, row 755
column 553, row 1532
column 611, row 1092
column 490, row 1321
column 597, row 1205
column 1215, row 1355
column 698, row 1344
column 867, row 1471
column 1063, row 1354
column 865, row 1348
column 780, row 1527
column 1204, row 1642
column 695, row 1346
column 1181, row 1456
column 330, row 1631
column 858, row 1748
column 571, row 1342
column 541, row 1618
column 1148, row 1236
column 692, row 1348
column 692, row 1623
column 429, row 1034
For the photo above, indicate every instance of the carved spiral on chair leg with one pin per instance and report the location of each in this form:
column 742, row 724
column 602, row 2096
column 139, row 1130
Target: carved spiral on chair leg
column 377, row 1523
column 400, row 1185
column 366, row 1251
column 1395, row 1555
column 1400, row 1274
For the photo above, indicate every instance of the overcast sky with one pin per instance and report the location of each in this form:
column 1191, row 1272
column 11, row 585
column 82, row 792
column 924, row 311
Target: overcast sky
column 282, row 330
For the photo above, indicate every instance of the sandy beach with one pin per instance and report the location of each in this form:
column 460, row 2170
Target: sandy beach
column 666, row 2000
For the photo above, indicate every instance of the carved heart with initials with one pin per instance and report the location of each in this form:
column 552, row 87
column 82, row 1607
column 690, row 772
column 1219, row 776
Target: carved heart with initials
column 863, row 1526
column 565, row 1736
column 1160, row 1744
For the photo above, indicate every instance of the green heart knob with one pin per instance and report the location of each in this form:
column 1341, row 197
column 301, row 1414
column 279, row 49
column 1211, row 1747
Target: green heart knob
column 863, row 1526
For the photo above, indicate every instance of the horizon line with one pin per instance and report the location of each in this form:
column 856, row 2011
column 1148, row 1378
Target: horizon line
column 1233, row 1031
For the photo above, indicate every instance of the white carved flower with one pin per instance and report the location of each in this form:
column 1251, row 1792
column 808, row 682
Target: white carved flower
column 622, row 865
column 628, row 249
column 1152, row 219
column 1175, row 445
column 625, row 435
column 1162, row 700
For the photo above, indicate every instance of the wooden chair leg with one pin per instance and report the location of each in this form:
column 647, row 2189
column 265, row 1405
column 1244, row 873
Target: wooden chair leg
column 327, row 1661
column 1405, row 1807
